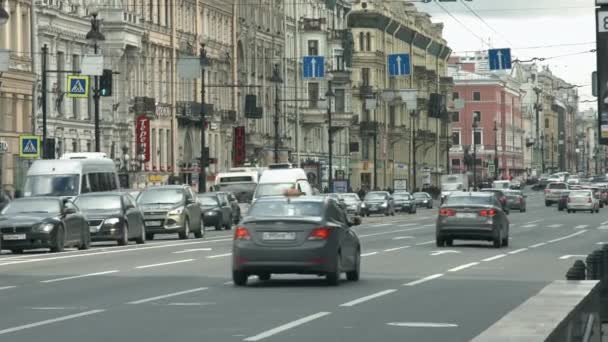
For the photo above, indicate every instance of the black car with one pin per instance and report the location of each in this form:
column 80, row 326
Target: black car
column 405, row 202
column 423, row 199
column 113, row 216
column 43, row 222
column 234, row 204
column 303, row 235
column 215, row 210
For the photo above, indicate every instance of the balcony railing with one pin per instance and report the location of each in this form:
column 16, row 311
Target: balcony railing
column 309, row 24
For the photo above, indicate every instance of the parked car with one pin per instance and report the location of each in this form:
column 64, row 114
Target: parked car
column 553, row 191
column 171, row 209
column 291, row 235
column 379, row 202
column 234, row 204
column 472, row 216
column 405, row 202
column 516, row 200
column 583, row 200
column 423, row 199
column 43, row 222
column 215, row 209
column 113, row 216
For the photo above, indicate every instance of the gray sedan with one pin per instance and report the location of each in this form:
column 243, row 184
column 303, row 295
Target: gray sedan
column 472, row 216
column 303, row 235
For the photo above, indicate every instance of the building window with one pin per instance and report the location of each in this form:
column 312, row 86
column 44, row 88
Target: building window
column 340, row 101
column 477, row 116
column 313, row 47
column 476, row 96
column 456, row 138
column 313, row 94
column 368, row 41
column 546, row 123
column 392, row 116
column 455, row 162
column 455, row 96
column 477, row 137
column 365, row 76
column 361, row 41
column 455, row 116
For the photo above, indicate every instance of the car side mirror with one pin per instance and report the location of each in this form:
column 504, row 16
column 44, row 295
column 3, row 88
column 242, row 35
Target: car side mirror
column 69, row 211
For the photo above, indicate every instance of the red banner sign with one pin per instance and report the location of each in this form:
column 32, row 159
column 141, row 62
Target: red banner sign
column 239, row 146
column 142, row 132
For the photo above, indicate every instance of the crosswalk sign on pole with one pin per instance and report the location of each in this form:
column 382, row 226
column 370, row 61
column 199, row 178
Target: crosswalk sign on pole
column 78, row 86
column 29, row 146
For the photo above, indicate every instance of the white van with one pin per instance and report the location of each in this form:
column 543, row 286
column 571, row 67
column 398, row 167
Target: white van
column 276, row 182
column 84, row 155
column 70, row 177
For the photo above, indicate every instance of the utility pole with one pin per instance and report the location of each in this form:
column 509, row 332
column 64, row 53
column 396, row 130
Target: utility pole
column 474, row 155
column 276, row 78
column 537, row 108
column 447, row 144
column 542, row 153
column 414, row 166
column 330, row 94
column 495, row 151
column 45, row 54
column 95, row 35
column 202, row 182
column 552, row 153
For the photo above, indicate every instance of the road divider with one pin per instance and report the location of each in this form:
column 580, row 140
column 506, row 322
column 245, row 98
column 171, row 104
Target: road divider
column 286, row 327
column 368, row 298
column 169, row 295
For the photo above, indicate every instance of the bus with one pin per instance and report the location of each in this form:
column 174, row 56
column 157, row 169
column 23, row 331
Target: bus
column 242, row 182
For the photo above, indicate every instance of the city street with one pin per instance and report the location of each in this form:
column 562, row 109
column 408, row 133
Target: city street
column 181, row 290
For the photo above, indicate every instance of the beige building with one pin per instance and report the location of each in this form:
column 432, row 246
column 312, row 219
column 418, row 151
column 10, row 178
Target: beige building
column 16, row 87
column 380, row 101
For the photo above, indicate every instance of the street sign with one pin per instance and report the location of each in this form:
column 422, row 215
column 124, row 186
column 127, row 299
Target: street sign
column 78, row 86
column 399, row 64
column 29, row 146
column 92, row 65
column 314, row 67
column 500, row 59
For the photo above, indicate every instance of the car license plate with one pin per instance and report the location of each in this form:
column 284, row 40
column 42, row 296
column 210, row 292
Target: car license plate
column 13, row 237
column 279, row 236
column 466, row 215
column 153, row 223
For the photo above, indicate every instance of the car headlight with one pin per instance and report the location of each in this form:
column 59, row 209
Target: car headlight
column 426, row 201
column 177, row 211
column 112, row 221
column 384, row 205
column 211, row 212
column 362, row 205
column 46, row 227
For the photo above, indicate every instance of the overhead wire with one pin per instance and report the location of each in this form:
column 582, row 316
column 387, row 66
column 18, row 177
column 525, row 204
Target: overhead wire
column 485, row 22
column 461, row 23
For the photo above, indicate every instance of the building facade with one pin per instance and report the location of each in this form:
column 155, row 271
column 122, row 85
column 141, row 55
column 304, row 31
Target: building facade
column 16, row 87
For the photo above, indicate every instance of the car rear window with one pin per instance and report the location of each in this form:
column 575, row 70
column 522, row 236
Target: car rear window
column 467, row 200
column 580, row 194
column 559, row 186
column 282, row 208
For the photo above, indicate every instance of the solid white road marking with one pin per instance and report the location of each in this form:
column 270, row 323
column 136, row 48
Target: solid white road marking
column 567, row 236
column 425, row 243
column 54, row 308
column 380, row 225
column 79, row 276
column 368, row 298
column 396, row 248
column 286, row 326
column 7, row 287
column 435, row 253
column 188, row 304
column 403, row 237
column 193, row 250
column 496, row 257
column 406, row 225
column 529, row 226
column 581, row 226
column 368, row 254
column 538, row 245
column 391, row 232
column 555, row 225
column 604, row 223
column 518, row 251
column 49, row 321
column 174, row 294
column 422, row 325
column 602, row 243
column 229, row 283
column 219, row 256
column 462, row 267
column 424, row 280
column 603, row 228
column 165, row 263
column 533, row 221
column 566, row 257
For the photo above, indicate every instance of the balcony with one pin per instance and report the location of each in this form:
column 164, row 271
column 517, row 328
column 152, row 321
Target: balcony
column 368, row 127
column 312, row 25
column 366, row 91
column 228, row 116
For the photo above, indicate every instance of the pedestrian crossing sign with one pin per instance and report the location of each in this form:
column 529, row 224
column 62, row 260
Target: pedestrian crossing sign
column 78, row 86
column 29, row 146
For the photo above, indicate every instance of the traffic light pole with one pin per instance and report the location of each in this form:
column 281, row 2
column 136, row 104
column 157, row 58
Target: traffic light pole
column 45, row 54
column 202, row 182
column 96, row 98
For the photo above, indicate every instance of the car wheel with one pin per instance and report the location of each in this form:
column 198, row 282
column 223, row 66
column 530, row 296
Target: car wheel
column 449, row 242
column 85, row 240
column 333, row 277
column 184, row 234
column 522, row 210
column 58, row 240
column 498, row 240
column 356, row 273
column 141, row 239
column 124, row 239
column 201, row 231
column 239, row 278
column 264, row 276
column 386, row 212
column 218, row 225
column 439, row 242
column 505, row 241
column 149, row 236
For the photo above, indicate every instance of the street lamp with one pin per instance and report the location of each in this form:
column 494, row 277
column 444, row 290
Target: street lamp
column 4, row 16
column 95, row 35
column 475, row 125
column 330, row 140
column 495, row 151
column 202, row 182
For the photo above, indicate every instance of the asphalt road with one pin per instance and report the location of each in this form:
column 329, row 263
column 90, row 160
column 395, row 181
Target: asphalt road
column 181, row 290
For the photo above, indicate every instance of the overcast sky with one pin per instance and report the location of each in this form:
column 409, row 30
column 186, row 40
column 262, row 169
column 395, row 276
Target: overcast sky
column 522, row 25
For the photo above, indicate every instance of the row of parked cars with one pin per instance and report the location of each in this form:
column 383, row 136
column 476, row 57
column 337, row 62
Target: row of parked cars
column 383, row 202
column 121, row 216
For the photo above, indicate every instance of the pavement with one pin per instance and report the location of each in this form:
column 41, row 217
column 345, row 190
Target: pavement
column 180, row 290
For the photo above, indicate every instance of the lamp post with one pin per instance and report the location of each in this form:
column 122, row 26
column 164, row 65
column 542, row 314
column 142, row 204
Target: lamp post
column 552, row 153
column 202, row 182
column 277, row 80
column 95, row 35
column 542, row 153
column 475, row 125
column 495, row 151
column 562, row 151
column 330, row 139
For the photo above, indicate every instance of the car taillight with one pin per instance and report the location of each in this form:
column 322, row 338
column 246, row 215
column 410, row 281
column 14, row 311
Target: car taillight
column 589, row 200
column 488, row 212
column 503, row 200
column 569, row 200
column 241, row 233
column 447, row 212
column 321, row 233
column 521, row 200
column 547, row 190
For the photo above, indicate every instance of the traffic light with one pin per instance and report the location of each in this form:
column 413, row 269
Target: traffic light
column 105, row 83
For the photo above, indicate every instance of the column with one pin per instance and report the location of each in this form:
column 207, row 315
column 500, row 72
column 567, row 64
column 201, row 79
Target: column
column 161, row 145
column 25, row 29
column 16, row 27
column 19, row 107
column 5, row 37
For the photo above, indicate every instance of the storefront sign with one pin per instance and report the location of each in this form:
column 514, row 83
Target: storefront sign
column 142, row 131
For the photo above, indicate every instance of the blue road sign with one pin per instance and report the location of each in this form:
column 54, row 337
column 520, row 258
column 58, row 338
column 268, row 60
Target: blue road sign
column 399, row 64
column 314, row 67
column 29, row 146
column 500, row 59
column 78, row 86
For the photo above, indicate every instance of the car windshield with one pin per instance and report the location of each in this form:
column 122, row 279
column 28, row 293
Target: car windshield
column 452, row 186
column 242, row 191
column 350, row 198
column 557, row 186
column 99, row 202
column 283, row 208
column 208, row 201
column 375, row 196
column 36, row 205
column 273, row 189
column 421, row 195
column 161, row 196
column 52, row 185
column 468, row 200
column 402, row 196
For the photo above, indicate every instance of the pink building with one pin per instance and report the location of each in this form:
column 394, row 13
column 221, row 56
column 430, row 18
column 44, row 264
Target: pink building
column 493, row 98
